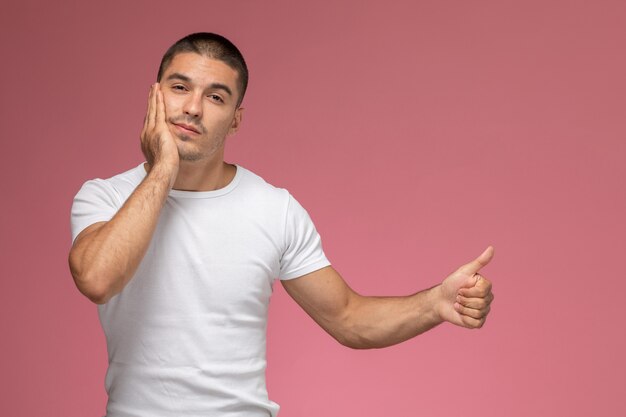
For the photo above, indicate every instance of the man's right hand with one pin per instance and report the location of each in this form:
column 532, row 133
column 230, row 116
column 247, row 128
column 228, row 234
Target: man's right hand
column 105, row 256
column 157, row 142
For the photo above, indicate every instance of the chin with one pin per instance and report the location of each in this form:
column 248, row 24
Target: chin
column 186, row 151
column 182, row 137
column 190, row 156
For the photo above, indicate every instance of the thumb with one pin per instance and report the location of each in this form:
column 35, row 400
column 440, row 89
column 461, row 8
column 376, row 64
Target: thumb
column 474, row 266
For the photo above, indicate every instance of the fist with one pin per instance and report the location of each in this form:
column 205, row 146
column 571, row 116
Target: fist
column 466, row 295
column 474, row 304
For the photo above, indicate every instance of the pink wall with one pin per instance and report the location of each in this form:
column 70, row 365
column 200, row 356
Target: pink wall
column 415, row 133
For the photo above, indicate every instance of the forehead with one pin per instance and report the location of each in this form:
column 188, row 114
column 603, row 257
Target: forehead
column 202, row 70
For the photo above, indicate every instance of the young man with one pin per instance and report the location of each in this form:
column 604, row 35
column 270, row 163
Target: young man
column 181, row 251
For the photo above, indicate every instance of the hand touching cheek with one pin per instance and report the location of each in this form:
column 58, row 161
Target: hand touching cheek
column 157, row 142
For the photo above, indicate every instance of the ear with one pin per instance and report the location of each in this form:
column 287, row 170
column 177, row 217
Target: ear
column 234, row 126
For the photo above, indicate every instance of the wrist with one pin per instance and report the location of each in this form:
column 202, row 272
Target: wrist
column 164, row 171
column 438, row 302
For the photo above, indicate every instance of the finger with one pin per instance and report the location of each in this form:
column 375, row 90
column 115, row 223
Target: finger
column 148, row 126
column 472, row 323
column 472, row 312
column 479, row 290
column 145, row 119
column 476, row 303
column 152, row 108
column 474, row 266
column 160, row 107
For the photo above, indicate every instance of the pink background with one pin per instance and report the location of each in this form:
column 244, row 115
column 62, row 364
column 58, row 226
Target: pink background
column 415, row 133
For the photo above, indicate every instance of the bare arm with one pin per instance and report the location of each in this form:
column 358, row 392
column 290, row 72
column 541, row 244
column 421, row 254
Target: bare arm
column 359, row 322
column 105, row 255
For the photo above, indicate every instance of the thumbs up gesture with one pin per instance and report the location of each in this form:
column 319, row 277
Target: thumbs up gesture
column 465, row 295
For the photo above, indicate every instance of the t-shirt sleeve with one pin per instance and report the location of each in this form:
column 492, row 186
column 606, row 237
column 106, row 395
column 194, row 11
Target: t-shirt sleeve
column 96, row 201
column 303, row 246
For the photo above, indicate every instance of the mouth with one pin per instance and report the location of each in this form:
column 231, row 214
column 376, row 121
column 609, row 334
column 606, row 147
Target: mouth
column 186, row 128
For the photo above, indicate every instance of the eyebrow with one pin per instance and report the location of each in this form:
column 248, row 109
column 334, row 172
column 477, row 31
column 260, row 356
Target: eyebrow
column 183, row 77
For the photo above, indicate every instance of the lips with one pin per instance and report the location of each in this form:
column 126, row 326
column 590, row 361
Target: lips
column 186, row 128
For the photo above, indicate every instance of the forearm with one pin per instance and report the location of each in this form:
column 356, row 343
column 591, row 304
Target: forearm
column 376, row 322
column 104, row 261
column 359, row 322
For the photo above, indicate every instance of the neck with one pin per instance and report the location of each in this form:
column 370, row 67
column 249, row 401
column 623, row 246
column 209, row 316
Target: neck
column 202, row 176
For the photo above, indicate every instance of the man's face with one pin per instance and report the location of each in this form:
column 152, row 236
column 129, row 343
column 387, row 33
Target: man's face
column 200, row 97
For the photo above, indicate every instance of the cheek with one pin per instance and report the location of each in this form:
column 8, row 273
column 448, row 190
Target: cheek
column 172, row 104
column 213, row 118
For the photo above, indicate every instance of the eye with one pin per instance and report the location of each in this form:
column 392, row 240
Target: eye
column 215, row 97
column 178, row 87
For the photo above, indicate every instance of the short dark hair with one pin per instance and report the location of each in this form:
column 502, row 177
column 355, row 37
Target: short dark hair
column 213, row 46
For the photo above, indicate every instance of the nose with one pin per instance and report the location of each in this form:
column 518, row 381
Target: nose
column 193, row 105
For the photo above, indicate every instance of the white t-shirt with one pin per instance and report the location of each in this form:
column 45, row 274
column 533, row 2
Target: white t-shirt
column 186, row 336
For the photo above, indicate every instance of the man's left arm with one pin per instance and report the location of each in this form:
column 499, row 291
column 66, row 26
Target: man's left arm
column 363, row 322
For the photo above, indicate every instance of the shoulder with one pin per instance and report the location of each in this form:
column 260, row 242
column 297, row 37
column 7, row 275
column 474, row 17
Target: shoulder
column 128, row 179
column 119, row 186
column 262, row 191
column 268, row 199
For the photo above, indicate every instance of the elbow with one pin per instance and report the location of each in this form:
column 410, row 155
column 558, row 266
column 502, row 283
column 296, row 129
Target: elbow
column 92, row 288
column 357, row 343
column 355, row 337
column 91, row 284
column 345, row 341
column 96, row 296
column 349, row 330
column 354, row 345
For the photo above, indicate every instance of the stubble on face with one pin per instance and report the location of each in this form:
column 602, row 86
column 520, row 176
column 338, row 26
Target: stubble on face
column 184, row 153
column 187, row 72
column 186, row 150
